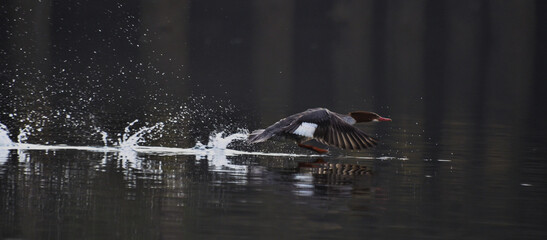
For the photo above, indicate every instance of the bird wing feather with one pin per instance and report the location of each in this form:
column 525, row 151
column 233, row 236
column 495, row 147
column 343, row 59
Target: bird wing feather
column 331, row 130
column 334, row 131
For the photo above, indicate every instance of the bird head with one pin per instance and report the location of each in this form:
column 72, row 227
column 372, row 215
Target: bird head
column 363, row 116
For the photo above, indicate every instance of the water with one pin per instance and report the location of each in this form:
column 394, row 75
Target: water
column 127, row 120
column 215, row 190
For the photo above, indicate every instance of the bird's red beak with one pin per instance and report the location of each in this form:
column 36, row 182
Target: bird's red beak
column 383, row 119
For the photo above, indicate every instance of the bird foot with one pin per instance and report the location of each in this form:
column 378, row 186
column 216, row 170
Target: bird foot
column 314, row 148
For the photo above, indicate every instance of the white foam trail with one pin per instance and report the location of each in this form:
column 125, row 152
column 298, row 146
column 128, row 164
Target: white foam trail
column 128, row 149
column 444, row 160
column 391, row 158
column 171, row 151
column 27, row 146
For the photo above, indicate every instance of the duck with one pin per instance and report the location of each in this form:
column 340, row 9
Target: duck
column 327, row 127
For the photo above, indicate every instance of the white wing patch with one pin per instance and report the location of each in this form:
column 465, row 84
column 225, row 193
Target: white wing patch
column 306, row 129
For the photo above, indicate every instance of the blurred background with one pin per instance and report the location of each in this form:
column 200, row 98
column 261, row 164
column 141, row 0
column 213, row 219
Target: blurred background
column 463, row 80
column 445, row 60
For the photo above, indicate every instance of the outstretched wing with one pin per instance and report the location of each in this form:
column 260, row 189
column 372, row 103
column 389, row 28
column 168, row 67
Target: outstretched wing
column 343, row 135
column 320, row 124
column 306, row 124
column 283, row 126
column 328, row 128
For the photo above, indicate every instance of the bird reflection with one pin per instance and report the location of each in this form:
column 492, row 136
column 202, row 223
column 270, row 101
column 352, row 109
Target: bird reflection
column 354, row 181
column 333, row 173
column 325, row 178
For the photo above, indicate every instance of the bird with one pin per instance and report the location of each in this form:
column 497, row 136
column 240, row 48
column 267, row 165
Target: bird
column 323, row 125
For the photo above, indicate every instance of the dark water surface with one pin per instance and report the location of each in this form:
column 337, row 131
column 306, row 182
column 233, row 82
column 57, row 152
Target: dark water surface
column 471, row 193
column 463, row 81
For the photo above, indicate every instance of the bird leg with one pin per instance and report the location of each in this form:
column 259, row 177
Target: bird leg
column 314, row 148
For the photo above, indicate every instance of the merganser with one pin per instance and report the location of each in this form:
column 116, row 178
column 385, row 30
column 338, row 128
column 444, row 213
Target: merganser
column 329, row 128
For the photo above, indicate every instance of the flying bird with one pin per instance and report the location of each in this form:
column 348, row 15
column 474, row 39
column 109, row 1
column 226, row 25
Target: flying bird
column 329, row 128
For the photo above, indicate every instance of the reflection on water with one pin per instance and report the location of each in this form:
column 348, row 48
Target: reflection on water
column 320, row 178
column 69, row 193
column 74, row 193
column 73, row 190
column 136, row 190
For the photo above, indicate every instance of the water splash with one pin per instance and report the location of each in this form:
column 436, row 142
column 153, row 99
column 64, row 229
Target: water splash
column 131, row 141
column 4, row 136
column 104, row 136
column 128, row 146
column 217, row 150
column 216, row 140
column 5, row 141
column 126, row 133
column 24, row 134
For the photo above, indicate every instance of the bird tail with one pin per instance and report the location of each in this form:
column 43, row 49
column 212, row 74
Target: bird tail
column 258, row 136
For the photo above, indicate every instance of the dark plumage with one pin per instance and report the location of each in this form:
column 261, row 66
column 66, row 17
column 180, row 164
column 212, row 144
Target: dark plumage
column 330, row 128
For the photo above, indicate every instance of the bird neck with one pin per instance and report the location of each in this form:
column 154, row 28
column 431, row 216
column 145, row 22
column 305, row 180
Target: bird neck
column 362, row 116
column 349, row 120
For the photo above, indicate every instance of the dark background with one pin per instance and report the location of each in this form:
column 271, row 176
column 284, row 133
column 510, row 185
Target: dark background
column 445, row 60
column 464, row 82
